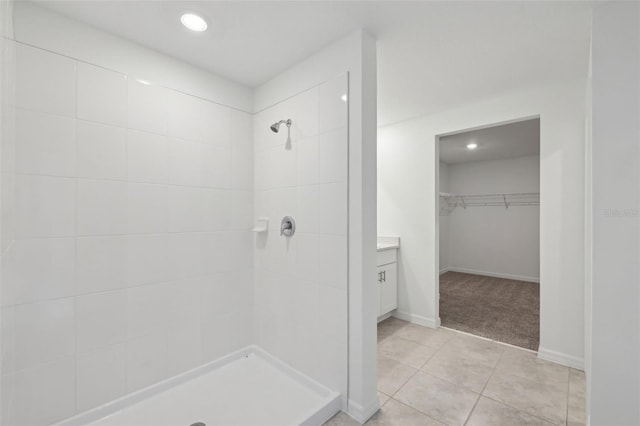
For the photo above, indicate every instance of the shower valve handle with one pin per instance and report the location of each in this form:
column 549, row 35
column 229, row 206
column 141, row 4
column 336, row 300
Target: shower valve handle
column 287, row 226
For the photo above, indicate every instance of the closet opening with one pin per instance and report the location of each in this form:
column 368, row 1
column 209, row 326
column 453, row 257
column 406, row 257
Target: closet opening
column 488, row 184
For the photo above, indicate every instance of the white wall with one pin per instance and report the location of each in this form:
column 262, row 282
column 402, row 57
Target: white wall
column 493, row 240
column 132, row 258
column 443, row 224
column 7, row 141
column 615, row 370
column 407, row 206
column 7, row 127
column 300, row 294
column 356, row 55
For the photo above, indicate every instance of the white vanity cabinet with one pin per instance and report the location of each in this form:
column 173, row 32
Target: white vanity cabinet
column 387, row 280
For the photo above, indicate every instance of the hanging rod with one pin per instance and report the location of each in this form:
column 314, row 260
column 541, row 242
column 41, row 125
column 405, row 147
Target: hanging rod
column 450, row 201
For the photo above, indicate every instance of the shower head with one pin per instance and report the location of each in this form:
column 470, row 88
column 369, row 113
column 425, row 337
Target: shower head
column 275, row 127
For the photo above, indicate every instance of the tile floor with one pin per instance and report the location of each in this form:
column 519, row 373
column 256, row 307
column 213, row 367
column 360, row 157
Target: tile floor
column 442, row 377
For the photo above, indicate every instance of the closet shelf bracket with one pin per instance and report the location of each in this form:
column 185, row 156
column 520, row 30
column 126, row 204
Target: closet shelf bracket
column 448, row 202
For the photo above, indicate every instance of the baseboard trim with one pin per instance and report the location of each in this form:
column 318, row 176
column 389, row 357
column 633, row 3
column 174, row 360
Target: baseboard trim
column 560, row 358
column 444, row 270
column 493, row 274
column 385, row 316
column 360, row 413
column 417, row 319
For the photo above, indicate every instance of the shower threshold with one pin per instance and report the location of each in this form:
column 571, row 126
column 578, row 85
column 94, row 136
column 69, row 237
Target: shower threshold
column 249, row 387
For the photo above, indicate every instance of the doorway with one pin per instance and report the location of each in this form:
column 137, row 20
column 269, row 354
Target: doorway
column 489, row 232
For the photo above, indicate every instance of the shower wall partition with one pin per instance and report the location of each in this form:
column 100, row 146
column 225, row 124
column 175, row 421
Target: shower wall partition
column 301, row 298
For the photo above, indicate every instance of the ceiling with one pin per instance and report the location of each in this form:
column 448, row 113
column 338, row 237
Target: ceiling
column 431, row 55
column 494, row 143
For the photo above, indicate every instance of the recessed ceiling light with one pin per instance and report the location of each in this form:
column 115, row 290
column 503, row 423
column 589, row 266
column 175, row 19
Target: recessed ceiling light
column 344, row 97
column 193, row 22
column 472, row 146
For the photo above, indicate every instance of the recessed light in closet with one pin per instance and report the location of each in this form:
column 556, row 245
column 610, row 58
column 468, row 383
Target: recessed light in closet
column 472, row 146
column 193, row 22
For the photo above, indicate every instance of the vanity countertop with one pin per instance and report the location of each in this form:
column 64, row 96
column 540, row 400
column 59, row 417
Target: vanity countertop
column 387, row 246
column 388, row 243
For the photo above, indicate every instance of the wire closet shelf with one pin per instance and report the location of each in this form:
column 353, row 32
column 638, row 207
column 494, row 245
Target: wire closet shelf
column 448, row 202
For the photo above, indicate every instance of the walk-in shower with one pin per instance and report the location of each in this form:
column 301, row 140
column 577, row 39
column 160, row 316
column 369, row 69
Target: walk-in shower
column 142, row 280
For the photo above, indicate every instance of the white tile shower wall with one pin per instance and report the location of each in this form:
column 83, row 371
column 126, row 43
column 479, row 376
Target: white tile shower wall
column 301, row 282
column 133, row 253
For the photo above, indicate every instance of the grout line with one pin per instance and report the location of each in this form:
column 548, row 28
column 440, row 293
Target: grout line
column 414, row 408
column 548, row 420
column 419, row 370
column 426, row 373
column 157, row 234
column 406, row 381
column 457, row 385
column 81, row 61
column 566, row 416
column 126, row 290
column 126, row 287
column 544, row 419
column 75, row 245
column 481, row 393
column 495, row 367
column 316, row 85
column 141, row 182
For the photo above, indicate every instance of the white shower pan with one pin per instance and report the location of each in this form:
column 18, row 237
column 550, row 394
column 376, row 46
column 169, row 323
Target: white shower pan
column 246, row 388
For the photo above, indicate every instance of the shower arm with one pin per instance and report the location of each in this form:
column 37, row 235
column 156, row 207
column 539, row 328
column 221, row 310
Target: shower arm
column 275, row 127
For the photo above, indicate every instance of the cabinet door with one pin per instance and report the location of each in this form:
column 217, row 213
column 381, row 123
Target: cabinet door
column 388, row 285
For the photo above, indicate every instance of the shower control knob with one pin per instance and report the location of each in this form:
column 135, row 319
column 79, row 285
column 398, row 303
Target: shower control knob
column 287, row 226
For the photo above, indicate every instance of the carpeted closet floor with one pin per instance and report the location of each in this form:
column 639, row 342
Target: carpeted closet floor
column 504, row 310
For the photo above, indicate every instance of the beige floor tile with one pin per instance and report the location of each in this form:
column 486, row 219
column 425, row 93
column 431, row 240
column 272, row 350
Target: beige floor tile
column 395, row 413
column 576, row 413
column 492, row 413
column 385, row 333
column 383, row 397
column 547, row 401
column 465, row 361
column 395, row 322
column 464, row 371
column 529, row 366
column 389, row 327
column 392, row 375
column 405, row 351
column 521, row 389
column 341, row 419
column 425, row 335
column 442, row 336
column 416, row 333
column 484, row 351
column 437, row 398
